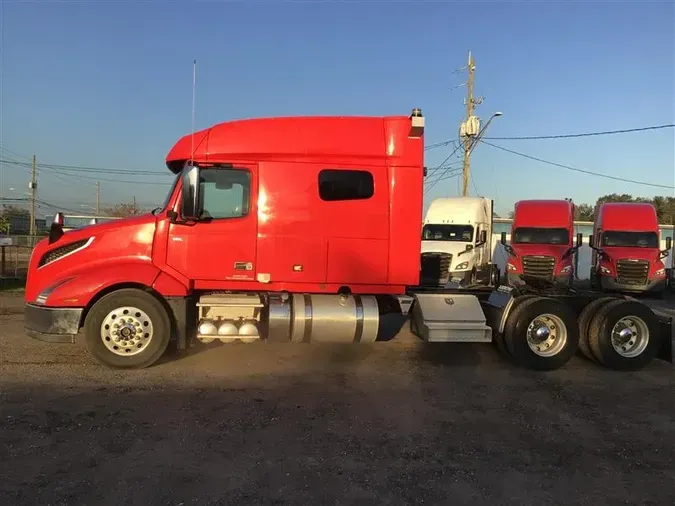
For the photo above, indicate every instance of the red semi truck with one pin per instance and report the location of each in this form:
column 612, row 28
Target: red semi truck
column 543, row 246
column 294, row 229
column 626, row 243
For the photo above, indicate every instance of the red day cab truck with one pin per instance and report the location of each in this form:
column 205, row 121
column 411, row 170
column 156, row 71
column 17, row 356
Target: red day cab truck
column 627, row 255
column 299, row 229
column 543, row 246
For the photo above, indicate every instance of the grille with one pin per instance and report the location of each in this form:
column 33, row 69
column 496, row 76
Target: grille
column 436, row 268
column 538, row 267
column 57, row 253
column 632, row 272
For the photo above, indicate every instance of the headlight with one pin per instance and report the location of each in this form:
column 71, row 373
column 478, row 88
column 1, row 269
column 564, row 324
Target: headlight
column 659, row 273
column 511, row 267
column 462, row 266
column 566, row 269
column 41, row 299
column 605, row 270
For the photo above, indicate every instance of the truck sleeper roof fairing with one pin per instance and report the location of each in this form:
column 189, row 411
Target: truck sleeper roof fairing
column 460, row 210
column 627, row 216
column 305, row 138
column 542, row 213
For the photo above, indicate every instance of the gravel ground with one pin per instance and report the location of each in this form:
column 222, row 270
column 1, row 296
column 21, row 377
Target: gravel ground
column 394, row 423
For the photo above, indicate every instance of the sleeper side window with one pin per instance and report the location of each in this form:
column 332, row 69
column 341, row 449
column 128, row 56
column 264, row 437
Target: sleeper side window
column 225, row 192
column 338, row 184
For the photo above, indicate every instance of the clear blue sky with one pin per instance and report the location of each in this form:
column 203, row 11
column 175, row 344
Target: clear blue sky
column 108, row 84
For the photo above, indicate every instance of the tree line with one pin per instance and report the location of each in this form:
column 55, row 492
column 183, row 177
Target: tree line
column 665, row 207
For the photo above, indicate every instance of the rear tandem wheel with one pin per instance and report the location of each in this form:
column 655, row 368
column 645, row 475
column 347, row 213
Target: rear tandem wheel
column 624, row 335
column 513, row 315
column 585, row 318
column 542, row 334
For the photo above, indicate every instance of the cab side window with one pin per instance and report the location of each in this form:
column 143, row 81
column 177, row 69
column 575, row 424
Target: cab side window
column 336, row 184
column 225, row 192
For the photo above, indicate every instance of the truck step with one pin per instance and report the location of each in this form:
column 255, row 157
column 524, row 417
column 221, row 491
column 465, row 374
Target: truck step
column 446, row 318
column 230, row 300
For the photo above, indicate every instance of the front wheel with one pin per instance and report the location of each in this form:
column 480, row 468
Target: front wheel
column 127, row 329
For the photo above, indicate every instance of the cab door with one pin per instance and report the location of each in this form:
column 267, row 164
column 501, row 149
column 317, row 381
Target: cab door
column 222, row 245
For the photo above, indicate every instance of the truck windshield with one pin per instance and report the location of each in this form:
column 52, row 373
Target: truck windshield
column 630, row 239
column 168, row 195
column 531, row 235
column 460, row 233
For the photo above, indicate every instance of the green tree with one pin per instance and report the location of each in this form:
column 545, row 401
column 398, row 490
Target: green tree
column 4, row 225
column 583, row 212
column 122, row 210
column 12, row 212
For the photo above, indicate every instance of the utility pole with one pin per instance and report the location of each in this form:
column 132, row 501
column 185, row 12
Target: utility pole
column 469, row 128
column 33, row 189
column 98, row 198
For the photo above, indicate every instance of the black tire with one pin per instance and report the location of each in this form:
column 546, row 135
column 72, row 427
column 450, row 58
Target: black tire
column 157, row 320
column 584, row 322
column 600, row 338
column 515, row 334
column 499, row 337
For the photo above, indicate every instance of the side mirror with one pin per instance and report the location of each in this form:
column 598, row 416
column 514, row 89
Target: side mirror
column 190, row 193
column 503, row 239
column 669, row 243
column 483, row 236
column 580, row 239
column 56, row 228
column 591, row 242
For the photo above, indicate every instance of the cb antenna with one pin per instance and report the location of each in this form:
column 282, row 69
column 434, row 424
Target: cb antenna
column 192, row 135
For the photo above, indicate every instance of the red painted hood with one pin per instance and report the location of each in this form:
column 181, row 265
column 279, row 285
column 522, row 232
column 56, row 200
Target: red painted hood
column 616, row 253
column 554, row 250
column 123, row 242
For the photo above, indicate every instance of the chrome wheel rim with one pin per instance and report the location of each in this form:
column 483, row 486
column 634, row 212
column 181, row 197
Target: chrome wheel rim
column 546, row 335
column 630, row 336
column 126, row 331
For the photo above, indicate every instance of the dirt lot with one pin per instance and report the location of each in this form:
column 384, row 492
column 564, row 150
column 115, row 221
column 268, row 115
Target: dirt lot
column 395, row 423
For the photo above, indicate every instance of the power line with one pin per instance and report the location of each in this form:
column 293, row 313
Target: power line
column 587, row 134
column 438, row 145
column 440, row 165
column 561, row 136
column 575, row 169
column 78, row 174
column 445, row 176
column 81, row 168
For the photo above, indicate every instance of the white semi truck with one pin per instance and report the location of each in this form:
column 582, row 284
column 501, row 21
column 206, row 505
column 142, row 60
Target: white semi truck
column 457, row 241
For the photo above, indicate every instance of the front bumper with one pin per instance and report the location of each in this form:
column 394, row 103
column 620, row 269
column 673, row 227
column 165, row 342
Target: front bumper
column 610, row 285
column 52, row 324
column 521, row 280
